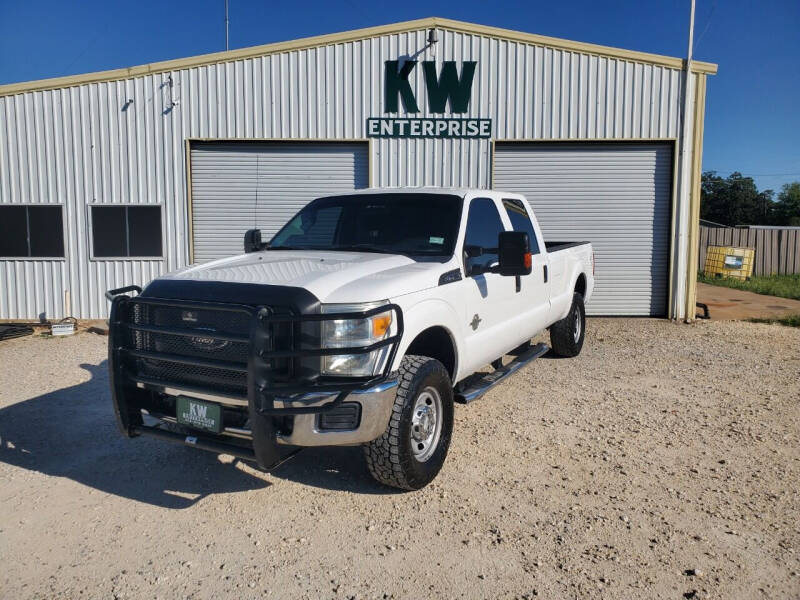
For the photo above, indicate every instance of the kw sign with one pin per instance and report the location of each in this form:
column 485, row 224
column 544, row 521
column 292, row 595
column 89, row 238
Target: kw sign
column 443, row 89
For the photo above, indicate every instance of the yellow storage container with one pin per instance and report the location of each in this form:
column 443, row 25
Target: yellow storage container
column 729, row 261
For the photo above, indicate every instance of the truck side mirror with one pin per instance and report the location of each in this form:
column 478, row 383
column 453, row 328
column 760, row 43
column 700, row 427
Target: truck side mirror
column 252, row 240
column 473, row 251
column 514, row 253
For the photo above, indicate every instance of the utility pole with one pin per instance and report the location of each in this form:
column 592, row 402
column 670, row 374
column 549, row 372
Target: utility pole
column 227, row 22
column 691, row 39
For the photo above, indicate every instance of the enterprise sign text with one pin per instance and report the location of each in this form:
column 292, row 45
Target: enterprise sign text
column 429, row 127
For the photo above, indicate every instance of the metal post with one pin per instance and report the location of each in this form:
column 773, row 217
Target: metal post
column 227, row 22
column 683, row 215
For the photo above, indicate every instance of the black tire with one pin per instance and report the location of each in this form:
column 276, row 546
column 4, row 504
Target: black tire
column 390, row 458
column 565, row 337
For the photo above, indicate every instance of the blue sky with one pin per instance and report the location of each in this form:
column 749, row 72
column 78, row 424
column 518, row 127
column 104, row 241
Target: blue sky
column 753, row 104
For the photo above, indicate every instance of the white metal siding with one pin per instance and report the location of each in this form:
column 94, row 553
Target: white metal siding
column 124, row 141
column 238, row 186
column 617, row 196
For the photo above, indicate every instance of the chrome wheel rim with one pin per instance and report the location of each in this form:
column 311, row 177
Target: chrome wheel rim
column 426, row 424
column 578, row 326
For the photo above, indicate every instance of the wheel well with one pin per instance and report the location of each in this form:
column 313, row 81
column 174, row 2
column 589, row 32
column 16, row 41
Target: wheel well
column 435, row 342
column 580, row 285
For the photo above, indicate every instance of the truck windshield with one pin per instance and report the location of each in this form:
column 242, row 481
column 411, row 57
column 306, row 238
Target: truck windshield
column 402, row 223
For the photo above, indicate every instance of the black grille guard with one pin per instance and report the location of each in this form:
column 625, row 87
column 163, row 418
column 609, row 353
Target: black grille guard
column 261, row 391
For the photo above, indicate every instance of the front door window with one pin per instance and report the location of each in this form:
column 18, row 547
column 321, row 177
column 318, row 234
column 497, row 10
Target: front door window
column 483, row 229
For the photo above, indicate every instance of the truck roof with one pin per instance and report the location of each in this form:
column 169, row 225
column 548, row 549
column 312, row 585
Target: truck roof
column 458, row 191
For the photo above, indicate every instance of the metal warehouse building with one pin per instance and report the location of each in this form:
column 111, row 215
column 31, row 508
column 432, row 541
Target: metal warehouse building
column 109, row 179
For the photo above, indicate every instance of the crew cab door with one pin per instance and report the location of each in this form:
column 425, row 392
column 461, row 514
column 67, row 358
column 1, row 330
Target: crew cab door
column 489, row 299
column 532, row 301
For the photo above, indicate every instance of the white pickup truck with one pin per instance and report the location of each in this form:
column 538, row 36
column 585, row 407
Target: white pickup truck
column 360, row 323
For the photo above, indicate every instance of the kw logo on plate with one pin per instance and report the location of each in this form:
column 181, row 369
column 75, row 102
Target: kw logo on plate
column 198, row 412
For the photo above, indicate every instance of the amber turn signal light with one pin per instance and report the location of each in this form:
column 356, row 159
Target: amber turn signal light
column 380, row 325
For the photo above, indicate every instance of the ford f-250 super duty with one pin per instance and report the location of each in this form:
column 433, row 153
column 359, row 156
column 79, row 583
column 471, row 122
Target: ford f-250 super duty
column 360, row 323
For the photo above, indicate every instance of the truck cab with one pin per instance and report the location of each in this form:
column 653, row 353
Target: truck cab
column 359, row 322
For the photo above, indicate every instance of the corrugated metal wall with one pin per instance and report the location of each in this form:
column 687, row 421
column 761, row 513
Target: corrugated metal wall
column 124, row 141
column 240, row 185
column 615, row 195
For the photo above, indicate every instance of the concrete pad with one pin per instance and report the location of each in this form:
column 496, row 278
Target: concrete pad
column 729, row 304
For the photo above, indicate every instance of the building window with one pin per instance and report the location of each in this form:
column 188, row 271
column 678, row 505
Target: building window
column 520, row 221
column 126, row 231
column 31, row 231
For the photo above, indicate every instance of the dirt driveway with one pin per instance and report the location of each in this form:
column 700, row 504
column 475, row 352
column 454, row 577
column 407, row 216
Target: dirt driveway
column 663, row 462
column 726, row 303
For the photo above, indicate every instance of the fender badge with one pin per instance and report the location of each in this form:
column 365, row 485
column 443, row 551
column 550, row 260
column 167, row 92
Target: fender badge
column 476, row 320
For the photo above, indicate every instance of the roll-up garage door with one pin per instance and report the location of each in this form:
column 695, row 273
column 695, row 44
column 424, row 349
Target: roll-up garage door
column 240, row 185
column 615, row 195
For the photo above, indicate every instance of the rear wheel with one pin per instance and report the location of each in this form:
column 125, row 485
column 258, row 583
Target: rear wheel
column 566, row 336
column 413, row 448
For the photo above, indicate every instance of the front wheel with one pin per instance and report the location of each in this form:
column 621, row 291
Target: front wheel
column 567, row 335
column 412, row 450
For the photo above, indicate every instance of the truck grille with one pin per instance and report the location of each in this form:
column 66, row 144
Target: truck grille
column 206, row 325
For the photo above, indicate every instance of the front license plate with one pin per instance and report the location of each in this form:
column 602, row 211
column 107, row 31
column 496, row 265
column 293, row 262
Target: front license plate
column 198, row 414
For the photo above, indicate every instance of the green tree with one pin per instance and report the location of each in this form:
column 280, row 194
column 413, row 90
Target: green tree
column 787, row 208
column 735, row 200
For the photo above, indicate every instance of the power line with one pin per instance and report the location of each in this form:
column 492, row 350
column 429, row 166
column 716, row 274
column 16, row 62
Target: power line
column 708, row 23
column 754, row 174
column 775, row 175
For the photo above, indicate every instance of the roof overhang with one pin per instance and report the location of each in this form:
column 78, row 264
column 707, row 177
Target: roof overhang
column 354, row 35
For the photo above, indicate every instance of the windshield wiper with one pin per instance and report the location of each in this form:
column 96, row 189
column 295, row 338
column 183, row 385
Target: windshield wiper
column 361, row 248
column 287, row 248
column 340, row 248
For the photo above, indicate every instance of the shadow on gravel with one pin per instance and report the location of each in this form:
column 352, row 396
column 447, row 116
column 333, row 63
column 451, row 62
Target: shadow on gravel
column 339, row 468
column 72, row 433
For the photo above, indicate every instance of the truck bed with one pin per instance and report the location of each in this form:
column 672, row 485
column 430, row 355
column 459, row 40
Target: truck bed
column 557, row 246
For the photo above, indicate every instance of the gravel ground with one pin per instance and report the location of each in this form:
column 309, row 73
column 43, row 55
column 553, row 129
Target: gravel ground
column 663, row 462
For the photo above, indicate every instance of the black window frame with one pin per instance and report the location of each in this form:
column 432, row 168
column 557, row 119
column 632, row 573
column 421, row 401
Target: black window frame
column 534, row 243
column 30, row 256
column 127, row 206
column 466, row 260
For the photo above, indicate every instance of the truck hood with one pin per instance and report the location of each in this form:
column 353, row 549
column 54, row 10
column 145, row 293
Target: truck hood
column 330, row 276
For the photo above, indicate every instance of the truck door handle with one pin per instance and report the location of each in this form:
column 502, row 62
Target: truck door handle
column 544, row 268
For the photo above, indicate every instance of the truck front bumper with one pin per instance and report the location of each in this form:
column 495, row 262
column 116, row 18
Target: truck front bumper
column 374, row 408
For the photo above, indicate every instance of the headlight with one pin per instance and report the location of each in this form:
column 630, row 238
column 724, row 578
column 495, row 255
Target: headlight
column 350, row 333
